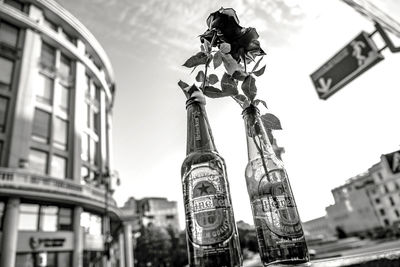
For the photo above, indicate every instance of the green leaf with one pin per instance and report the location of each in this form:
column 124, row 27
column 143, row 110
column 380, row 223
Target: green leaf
column 213, row 92
column 213, row 79
column 240, row 75
column 225, row 48
column 256, row 65
column 217, row 59
column 258, row 101
column 200, row 76
column 259, row 72
column 270, row 121
column 185, row 88
column 199, row 59
column 240, row 99
column 228, row 85
column 249, row 87
column 191, row 89
column 230, row 63
column 207, row 45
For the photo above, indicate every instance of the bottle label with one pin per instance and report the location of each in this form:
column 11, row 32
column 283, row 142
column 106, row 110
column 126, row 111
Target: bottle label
column 273, row 203
column 207, row 207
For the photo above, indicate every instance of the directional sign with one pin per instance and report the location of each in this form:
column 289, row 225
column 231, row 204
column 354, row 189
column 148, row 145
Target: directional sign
column 351, row 61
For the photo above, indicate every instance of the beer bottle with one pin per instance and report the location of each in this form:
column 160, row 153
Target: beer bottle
column 276, row 219
column 211, row 231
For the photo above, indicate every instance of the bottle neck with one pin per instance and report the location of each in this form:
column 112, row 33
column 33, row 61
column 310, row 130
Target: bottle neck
column 199, row 136
column 257, row 139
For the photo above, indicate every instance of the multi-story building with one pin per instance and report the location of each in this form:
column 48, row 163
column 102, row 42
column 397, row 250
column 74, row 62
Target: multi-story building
column 353, row 210
column 369, row 200
column 56, row 97
column 155, row 210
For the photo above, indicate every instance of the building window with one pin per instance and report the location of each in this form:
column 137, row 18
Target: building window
column 65, row 219
column 63, row 102
column 386, row 222
column 14, row 3
column 170, row 217
column 34, row 217
column 380, row 176
column 59, row 167
column 60, row 133
column 91, row 223
column 38, row 161
column 396, row 186
column 90, row 258
column 385, row 188
column 48, row 218
column 3, row 113
column 1, row 152
column 391, row 201
column 1, row 215
column 41, row 126
column 52, row 259
column 8, row 34
column 65, row 68
column 6, row 71
column 28, row 217
column 48, row 57
column 382, row 212
column 50, row 24
column 44, row 90
column 377, row 201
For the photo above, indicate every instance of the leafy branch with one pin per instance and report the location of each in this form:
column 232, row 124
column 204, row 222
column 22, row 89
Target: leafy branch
column 227, row 43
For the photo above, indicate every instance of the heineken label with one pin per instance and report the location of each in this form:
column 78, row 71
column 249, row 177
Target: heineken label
column 274, row 205
column 207, row 208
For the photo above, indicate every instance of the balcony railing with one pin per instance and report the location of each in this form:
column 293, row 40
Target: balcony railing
column 18, row 179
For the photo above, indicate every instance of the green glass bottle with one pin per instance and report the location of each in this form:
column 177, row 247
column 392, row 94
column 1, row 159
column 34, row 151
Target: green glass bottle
column 211, row 231
column 276, row 219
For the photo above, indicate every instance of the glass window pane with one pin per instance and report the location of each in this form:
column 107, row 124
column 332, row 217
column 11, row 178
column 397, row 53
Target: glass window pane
column 65, row 67
column 59, row 167
column 65, row 219
column 3, row 113
column 60, row 133
column 93, row 151
column 1, row 214
column 85, row 147
column 48, row 56
column 28, row 217
column 38, row 161
column 8, row 34
column 91, row 223
column 64, row 259
column 44, row 89
column 24, row 260
column 6, row 69
column 41, row 126
column 51, row 259
column 1, row 153
column 64, row 98
column 48, row 218
column 50, row 24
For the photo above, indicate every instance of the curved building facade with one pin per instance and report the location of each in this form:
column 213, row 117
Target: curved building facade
column 56, row 174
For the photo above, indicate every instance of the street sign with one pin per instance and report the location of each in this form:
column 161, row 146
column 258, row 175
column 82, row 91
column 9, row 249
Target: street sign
column 351, row 61
column 366, row 8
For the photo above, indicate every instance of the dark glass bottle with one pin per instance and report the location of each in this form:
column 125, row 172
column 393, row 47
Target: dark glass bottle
column 276, row 219
column 211, row 231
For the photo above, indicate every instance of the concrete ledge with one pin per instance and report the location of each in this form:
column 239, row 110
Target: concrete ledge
column 388, row 258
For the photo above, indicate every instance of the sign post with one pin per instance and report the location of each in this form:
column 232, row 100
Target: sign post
column 355, row 58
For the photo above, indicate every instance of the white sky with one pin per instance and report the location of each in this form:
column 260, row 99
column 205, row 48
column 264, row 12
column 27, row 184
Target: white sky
column 326, row 142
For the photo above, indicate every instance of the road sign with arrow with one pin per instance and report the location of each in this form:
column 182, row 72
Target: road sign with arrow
column 351, row 61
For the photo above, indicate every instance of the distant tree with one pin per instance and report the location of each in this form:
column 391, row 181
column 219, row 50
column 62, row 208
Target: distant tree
column 179, row 257
column 340, row 232
column 153, row 247
column 247, row 236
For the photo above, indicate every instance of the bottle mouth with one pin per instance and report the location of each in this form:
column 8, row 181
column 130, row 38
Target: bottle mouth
column 250, row 110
